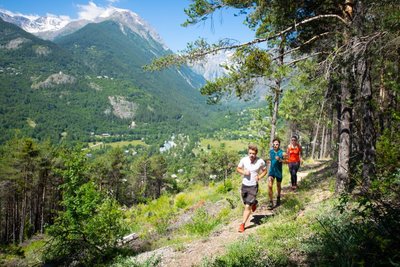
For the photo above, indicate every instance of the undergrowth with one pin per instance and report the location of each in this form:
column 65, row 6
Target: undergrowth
column 246, row 252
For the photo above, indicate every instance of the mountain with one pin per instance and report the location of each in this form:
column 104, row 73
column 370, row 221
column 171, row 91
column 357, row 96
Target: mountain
column 35, row 24
column 91, row 82
column 51, row 26
column 115, row 48
column 212, row 66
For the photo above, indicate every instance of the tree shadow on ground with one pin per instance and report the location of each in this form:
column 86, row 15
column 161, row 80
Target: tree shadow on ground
column 316, row 177
column 313, row 166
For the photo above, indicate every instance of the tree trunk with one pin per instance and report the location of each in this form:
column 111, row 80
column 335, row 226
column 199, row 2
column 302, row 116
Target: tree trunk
column 277, row 92
column 314, row 142
column 42, row 205
column 346, row 109
column 327, row 137
column 383, row 99
column 332, row 143
column 275, row 112
column 322, row 146
column 363, row 78
column 23, row 217
column 368, row 129
column 15, row 219
column 342, row 179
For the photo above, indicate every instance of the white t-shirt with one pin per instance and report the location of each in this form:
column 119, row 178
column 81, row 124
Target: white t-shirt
column 255, row 168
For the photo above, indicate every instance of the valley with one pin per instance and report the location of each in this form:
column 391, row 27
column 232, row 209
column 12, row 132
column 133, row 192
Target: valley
column 91, row 82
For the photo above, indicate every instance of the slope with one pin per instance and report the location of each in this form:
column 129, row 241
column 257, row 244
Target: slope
column 217, row 244
column 112, row 49
column 26, row 102
column 92, row 83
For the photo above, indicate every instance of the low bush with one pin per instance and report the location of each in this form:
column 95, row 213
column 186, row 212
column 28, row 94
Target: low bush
column 225, row 187
column 202, row 223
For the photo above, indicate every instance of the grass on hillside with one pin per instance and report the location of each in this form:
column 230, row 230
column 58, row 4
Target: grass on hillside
column 173, row 220
column 283, row 239
column 280, row 240
column 229, row 145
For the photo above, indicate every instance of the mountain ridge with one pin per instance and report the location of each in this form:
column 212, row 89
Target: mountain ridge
column 50, row 27
column 102, row 63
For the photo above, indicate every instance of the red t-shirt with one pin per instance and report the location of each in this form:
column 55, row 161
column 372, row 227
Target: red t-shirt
column 294, row 153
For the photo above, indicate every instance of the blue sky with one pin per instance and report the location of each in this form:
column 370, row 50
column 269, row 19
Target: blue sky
column 165, row 16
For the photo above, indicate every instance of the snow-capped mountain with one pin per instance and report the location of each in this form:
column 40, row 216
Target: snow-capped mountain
column 34, row 23
column 212, row 66
column 51, row 26
column 133, row 21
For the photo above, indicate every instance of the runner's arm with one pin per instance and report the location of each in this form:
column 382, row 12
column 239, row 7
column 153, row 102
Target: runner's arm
column 262, row 174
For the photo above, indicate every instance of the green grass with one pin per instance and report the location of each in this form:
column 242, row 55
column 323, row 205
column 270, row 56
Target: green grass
column 27, row 254
column 33, row 251
column 246, row 252
column 154, row 217
column 281, row 240
column 202, row 224
column 230, row 145
column 160, row 220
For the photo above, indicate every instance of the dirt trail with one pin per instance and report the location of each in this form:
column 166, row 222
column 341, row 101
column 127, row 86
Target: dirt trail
column 192, row 253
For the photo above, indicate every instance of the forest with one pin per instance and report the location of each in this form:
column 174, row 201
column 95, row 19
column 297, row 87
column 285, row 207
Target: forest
column 332, row 69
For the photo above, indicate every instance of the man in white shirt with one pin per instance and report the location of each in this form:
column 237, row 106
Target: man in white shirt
column 253, row 169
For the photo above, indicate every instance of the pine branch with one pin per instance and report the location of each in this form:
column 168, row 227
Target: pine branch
column 198, row 53
column 303, row 44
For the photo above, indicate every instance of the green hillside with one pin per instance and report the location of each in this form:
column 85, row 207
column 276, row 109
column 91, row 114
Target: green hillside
column 91, row 83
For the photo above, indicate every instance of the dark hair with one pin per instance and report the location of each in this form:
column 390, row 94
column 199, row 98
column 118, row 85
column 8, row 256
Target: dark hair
column 276, row 139
column 295, row 137
column 253, row 147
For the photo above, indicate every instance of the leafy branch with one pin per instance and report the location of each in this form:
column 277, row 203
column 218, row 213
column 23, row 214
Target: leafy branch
column 200, row 48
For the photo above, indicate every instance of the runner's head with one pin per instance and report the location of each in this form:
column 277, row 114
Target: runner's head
column 252, row 151
column 276, row 143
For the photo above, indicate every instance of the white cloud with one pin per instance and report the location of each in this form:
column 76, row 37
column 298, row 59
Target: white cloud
column 91, row 11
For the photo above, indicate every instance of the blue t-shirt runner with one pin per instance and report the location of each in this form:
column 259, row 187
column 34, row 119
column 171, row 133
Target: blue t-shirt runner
column 275, row 170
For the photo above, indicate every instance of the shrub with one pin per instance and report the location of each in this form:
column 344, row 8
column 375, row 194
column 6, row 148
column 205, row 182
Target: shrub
column 202, row 223
column 157, row 213
column 89, row 227
column 225, row 187
column 361, row 232
column 387, row 153
column 181, row 201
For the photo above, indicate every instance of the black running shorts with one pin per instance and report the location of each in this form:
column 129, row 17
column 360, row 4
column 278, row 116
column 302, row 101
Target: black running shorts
column 249, row 194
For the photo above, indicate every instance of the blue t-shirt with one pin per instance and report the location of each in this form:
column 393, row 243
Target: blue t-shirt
column 275, row 169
